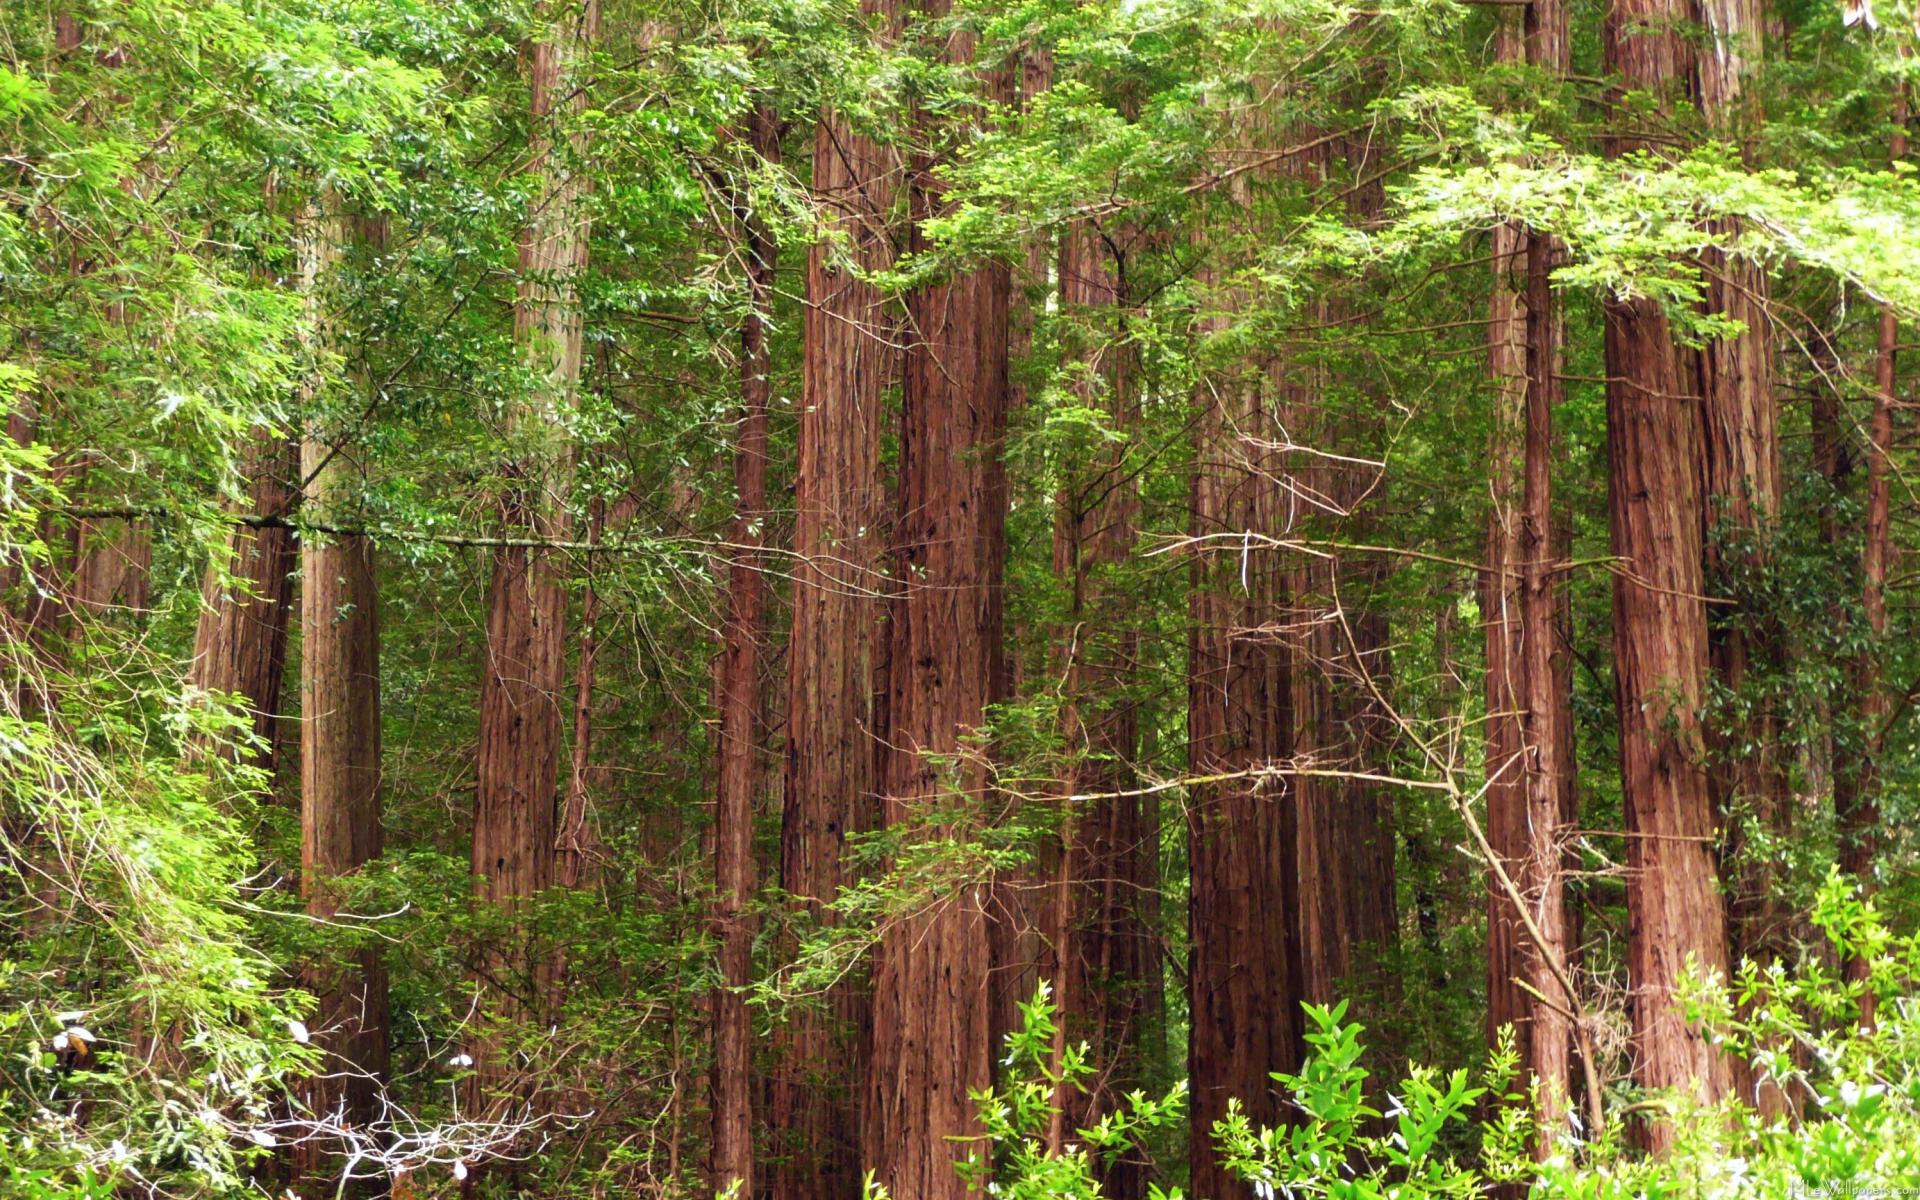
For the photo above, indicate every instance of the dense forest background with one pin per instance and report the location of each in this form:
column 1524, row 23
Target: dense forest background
column 767, row 597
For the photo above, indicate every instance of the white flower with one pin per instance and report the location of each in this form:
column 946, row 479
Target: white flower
column 460, row 1171
column 299, row 1031
column 263, row 1139
column 460, row 1062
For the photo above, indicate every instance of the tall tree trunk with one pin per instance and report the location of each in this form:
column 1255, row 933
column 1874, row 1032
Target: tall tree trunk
column 930, row 1019
column 522, row 690
column 1742, row 471
column 339, row 749
column 1500, row 599
column 1105, row 949
column 1860, row 818
column 1530, row 754
column 849, row 362
column 1655, row 516
column 1245, row 1020
column 739, row 733
column 240, row 643
column 1347, row 920
column 1026, row 907
column 1546, row 726
column 112, row 565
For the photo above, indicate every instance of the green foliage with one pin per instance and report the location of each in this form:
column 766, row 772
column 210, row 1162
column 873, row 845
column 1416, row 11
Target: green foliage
column 1020, row 1119
column 154, row 158
column 1343, row 1148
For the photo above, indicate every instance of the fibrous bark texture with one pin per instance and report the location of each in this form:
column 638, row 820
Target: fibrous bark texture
column 339, row 752
column 739, row 731
column 1656, row 519
column 240, row 644
column 1242, row 976
column 1107, row 954
column 930, row 1016
column 850, row 360
column 1530, row 749
column 522, row 693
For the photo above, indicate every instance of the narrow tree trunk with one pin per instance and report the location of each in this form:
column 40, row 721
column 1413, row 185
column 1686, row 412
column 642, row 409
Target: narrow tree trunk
column 831, row 736
column 1500, row 598
column 576, row 845
column 1742, row 470
column 1859, row 819
column 339, row 753
column 1656, row 518
column 1104, row 946
column 1530, row 749
column 1347, row 922
column 1545, row 760
column 1026, row 907
column 930, row 1020
column 1244, row 1002
column 739, row 731
column 523, row 685
column 240, row 643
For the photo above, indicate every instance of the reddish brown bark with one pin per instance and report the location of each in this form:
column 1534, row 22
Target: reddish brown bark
column 1859, row 819
column 1500, row 598
column 240, row 643
column 1106, row 953
column 1529, row 802
column 1656, row 517
column 112, row 564
column 523, row 682
column 1026, row 903
column 1245, row 1021
column 1741, row 444
column 849, row 361
column 1742, row 478
column 739, row 731
column 1344, row 853
column 339, row 758
column 576, row 846
column 930, row 1013
column 1546, row 726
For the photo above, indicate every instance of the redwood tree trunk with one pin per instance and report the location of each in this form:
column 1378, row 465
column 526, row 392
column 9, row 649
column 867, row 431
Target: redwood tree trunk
column 1529, row 692
column 1656, row 518
column 1859, row 816
column 112, row 565
column 1245, row 1019
column 739, row 732
column 1500, row 599
column 1546, row 725
column 1742, row 468
column 930, row 1019
column 1026, row 903
column 849, row 362
column 339, row 758
column 522, row 694
column 1106, row 950
column 240, row 644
